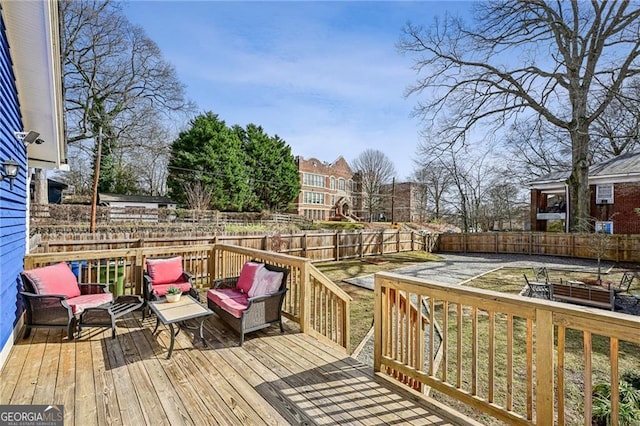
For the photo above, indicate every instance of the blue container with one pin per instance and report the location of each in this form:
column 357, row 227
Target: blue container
column 76, row 267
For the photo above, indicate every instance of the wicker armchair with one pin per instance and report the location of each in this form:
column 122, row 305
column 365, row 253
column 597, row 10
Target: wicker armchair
column 54, row 299
column 243, row 311
column 163, row 273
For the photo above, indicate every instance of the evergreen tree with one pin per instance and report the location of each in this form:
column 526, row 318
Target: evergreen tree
column 210, row 153
column 274, row 175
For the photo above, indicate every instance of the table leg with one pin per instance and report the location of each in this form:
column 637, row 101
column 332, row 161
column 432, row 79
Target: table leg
column 202, row 335
column 157, row 324
column 173, row 339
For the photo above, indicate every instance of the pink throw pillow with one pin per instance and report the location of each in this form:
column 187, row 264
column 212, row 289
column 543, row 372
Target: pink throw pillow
column 266, row 282
column 247, row 276
column 165, row 271
column 54, row 279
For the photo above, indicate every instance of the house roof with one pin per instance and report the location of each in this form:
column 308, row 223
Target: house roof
column 109, row 198
column 33, row 34
column 623, row 168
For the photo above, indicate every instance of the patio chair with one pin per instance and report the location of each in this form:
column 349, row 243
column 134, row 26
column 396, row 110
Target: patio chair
column 537, row 289
column 251, row 301
column 624, row 285
column 541, row 274
column 162, row 273
column 54, row 299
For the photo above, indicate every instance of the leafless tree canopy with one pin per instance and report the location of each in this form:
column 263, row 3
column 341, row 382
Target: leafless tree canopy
column 115, row 79
column 565, row 62
column 374, row 169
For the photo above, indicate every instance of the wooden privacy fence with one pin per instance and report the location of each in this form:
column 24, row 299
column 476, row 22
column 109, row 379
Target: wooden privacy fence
column 618, row 248
column 521, row 360
column 312, row 300
column 78, row 213
column 318, row 247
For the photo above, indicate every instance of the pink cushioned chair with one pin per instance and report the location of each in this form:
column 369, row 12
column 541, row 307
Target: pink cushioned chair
column 164, row 273
column 251, row 301
column 54, row 299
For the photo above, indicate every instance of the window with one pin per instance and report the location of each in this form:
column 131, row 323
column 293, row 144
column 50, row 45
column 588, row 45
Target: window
column 333, row 183
column 341, row 184
column 310, row 179
column 604, row 194
column 313, row 197
column 350, row 185
column 604, row 227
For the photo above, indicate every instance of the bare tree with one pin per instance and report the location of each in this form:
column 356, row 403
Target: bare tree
column 536, row 149
column 435, row 181
column 197, row 196
column 115, row 80
column 572, row 59
column 617, row 130
column 374, row 169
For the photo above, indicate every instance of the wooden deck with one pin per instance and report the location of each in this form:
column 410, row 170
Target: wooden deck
column 274, row 378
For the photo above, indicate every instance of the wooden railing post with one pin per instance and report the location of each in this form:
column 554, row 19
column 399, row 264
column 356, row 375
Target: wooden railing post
column 377, row 324
column 305, row 297
column 213, row 260
column 138, row 270
column 544, row 367
column 337, row 257
column 304, row 245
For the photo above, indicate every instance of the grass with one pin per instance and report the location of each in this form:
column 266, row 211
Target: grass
column 362, row 304
column 506, row 280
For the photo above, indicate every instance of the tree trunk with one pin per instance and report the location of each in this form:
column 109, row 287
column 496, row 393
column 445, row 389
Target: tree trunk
column 579, row 194
column 41, row 188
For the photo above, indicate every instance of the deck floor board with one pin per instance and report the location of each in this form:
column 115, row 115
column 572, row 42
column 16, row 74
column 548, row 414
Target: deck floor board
column 273, row 379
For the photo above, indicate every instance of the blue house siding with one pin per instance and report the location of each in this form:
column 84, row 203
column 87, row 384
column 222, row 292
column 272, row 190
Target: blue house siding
column 12, row 200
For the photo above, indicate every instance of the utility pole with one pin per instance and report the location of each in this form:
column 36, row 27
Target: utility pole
column 393, row 194
column 96, row 176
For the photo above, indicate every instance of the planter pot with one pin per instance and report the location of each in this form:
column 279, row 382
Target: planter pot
column 173, row 297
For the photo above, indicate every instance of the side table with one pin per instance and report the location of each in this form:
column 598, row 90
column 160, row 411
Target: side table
column 106, row 315
column 175, row 313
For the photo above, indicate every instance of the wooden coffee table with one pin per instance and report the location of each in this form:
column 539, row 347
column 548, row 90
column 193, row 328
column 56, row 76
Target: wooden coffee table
column 177, row 312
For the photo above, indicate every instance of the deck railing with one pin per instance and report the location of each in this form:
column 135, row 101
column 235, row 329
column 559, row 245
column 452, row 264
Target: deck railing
column 518, row 359
column 315, row 302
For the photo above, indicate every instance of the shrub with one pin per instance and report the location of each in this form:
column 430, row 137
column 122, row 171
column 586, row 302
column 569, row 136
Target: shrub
column 629, row 407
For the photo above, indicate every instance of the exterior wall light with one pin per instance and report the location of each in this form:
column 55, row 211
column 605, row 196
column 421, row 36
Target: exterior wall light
column 11, row 168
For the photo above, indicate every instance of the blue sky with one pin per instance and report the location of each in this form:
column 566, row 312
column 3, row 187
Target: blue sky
column 324, row 76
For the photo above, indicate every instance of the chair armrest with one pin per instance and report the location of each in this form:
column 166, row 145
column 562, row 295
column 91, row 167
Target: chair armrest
column 225, row 282
column 93, row 288
column 35, row 301
column 29, row 295
column 186, row 276
column 266, row 296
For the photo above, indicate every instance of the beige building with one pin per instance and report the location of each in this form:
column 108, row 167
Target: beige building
column 326, row 189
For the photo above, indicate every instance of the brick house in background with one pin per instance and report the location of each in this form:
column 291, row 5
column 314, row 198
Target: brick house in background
column 326, row 189
column 404, row 202
column 615, row 196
